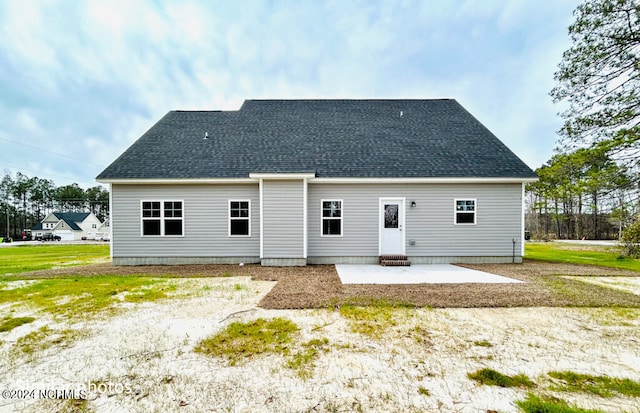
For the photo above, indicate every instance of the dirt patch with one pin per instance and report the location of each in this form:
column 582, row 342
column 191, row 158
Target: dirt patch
column 318, row 286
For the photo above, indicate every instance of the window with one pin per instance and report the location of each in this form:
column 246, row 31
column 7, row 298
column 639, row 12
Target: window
column 239, row 218
column 465, row 212
column 391, row 215
column 94, row 226
column 173, row 218
column 162, row 218
column 331, row 218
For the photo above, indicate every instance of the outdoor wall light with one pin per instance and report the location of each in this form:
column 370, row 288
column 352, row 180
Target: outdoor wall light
column 413, row 204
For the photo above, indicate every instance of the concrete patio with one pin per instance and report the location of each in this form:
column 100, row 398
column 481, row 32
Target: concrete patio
column 416, row 274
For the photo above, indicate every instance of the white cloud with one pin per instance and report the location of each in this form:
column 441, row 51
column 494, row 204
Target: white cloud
column 99, row 74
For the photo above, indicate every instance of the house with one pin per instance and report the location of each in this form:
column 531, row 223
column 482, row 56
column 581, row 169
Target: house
column 68, row 226
column 296, row 182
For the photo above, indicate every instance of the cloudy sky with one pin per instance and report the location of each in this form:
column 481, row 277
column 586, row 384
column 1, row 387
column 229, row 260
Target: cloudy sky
column 80, row 81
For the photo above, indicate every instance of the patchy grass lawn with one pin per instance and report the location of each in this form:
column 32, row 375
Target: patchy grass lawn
column 399, row 346
column 65, row 303
column 80, row 298
column 603, row 256
column 25, row 258
column 240, row 341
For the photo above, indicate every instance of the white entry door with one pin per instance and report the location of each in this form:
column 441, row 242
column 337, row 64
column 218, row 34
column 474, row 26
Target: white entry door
column 391, row 226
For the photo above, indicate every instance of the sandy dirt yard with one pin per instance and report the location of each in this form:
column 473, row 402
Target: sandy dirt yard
column 143, row 359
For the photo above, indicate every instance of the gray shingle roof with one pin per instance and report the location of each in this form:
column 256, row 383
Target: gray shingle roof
column 333, row 138
column 71, row 218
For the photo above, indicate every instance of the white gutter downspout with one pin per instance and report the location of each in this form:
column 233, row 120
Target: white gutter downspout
column 261, row 190
column 111, row 222
column 304, row 217
column 522, row 240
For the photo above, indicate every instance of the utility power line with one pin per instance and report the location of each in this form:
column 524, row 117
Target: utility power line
column 21, row 168
column 51, row 152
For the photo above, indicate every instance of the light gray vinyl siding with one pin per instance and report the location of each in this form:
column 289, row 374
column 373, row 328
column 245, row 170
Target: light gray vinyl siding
column 283, row 219
column 430, row 223
column 206, row 223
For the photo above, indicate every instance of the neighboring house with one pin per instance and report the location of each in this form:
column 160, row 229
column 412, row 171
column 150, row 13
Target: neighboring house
column 292, row 182
column 104, row 231
column 68, row 226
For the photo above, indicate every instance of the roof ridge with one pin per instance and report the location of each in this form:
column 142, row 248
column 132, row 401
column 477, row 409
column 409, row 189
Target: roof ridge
column 348, row 100
column 198, row 110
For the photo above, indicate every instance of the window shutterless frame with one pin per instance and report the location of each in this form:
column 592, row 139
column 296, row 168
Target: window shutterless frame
column 331, row 217
column 239, row 218
column 465, row 211
column 161, row 218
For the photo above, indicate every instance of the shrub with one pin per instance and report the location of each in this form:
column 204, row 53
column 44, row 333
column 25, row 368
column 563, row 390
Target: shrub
column 631, row 239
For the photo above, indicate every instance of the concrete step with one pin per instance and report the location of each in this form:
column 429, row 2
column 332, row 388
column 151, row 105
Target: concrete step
column 392, row 257
column 394, row 260
column 395, row 263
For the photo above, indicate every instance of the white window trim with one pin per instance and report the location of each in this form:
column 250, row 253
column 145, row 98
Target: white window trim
column 341, row 218
column 161, row 218
column 229, row 218
column 475, row 211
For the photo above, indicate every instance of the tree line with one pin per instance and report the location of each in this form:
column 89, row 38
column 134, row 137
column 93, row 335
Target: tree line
column 590, row 187
column 582, row 194
column 26, row 200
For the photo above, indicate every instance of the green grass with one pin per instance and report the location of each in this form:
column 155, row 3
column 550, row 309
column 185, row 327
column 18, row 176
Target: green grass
column 9, row 323
column 81, row 298
column 244, row 340
column 374, row 318
column 303, row 361
column 23, row 258
column 482, row 343
column 573, row 254
column 601, row 385
column 369, row 321
column 491, row 377
column 535, row 404
column 44, row 338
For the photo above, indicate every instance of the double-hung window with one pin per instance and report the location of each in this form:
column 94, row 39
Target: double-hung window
column 162, row 218
column 331, row 217
column 239, row 218
column 465, row 212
